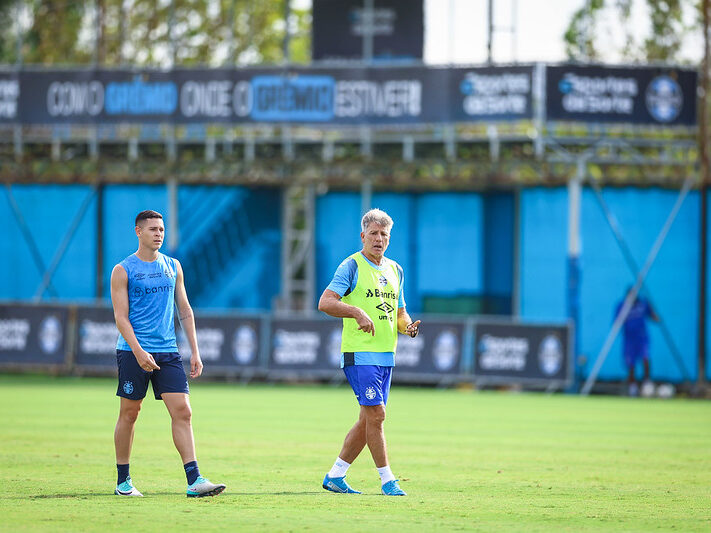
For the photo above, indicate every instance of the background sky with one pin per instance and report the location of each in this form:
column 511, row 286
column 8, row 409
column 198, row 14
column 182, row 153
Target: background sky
column 456, row 30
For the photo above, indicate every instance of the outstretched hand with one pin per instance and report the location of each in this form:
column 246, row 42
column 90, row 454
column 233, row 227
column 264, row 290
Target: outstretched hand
column 413, row 328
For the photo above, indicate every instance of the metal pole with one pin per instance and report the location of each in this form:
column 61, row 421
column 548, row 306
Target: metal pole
column 287, row 35
column 573, row 296
column 366, row 195
column 20, row 34
column 703, row 191
column 123, row 13
column 99, row 241
column 171, row 36
column 629, row 300
column 490, row 33
column 516, row 270
column 231, row 57
column 172, row 229
column 368, row 27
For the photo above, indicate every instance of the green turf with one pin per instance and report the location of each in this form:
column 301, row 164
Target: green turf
column 469, row 461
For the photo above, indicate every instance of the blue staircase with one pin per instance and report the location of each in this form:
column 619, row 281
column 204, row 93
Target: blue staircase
column 224, row 230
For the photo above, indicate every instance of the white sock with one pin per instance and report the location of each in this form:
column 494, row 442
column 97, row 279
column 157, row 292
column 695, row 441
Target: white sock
column 339, row 468
column 385, row 474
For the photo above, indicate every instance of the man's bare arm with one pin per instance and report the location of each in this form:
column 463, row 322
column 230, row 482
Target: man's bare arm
column 119, row 299
column 331, row 304
column 187, row 321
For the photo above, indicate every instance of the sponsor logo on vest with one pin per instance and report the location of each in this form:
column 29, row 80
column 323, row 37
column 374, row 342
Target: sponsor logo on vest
column 386, row 308
column 139, row 276
column 138, row 292
column 377, row 293
column 383, row 281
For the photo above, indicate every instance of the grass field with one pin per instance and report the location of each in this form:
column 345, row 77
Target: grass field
column 469, row 461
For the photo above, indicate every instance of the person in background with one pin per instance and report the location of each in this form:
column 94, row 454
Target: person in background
column 636, row 342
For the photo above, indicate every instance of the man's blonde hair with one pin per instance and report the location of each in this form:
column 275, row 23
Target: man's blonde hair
column 376, row 216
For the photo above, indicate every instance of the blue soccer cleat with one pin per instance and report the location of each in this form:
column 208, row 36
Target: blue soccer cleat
column 392, row 488
column 202, row 487
column 127, row 489
column 338, row 484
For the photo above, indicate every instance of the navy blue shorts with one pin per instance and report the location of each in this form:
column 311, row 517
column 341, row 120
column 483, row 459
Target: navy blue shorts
column 370, row 383
column 133, row 380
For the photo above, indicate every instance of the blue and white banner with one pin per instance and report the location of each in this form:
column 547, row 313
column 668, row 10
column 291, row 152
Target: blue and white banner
column 33, row 335
column 661, row 96
column 377, row 95
column 511, row 352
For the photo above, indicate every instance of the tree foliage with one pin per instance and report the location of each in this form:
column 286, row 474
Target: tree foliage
column 666, row 30
column 155, row 32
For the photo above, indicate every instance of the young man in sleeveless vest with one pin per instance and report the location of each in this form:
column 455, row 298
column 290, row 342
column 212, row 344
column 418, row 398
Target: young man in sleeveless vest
column 144, row 287
column 366, row 292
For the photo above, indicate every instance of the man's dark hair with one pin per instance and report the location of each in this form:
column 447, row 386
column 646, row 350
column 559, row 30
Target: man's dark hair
column 145, row 215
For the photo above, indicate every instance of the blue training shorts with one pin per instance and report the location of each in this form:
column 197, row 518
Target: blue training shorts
column 635, row 351
column 370, row 383
column 133, row 380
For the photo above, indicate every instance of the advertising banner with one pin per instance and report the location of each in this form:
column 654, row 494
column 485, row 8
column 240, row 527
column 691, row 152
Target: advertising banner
column 657, row 96
column 520, row 353
column 435, row 352
column 96, row 338
column 306, row 345
column 315, row 345
column 226, row 343
column 491, row 93
column 338, row 27
column 33, row 334
column 377, row 95
column 9, row 97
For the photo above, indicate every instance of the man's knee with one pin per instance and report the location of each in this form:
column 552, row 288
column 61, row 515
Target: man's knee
column 375, row 414
column 181, row 412
column 129, row 412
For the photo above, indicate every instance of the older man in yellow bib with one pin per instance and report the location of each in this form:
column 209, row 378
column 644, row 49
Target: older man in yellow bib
column 367, row 293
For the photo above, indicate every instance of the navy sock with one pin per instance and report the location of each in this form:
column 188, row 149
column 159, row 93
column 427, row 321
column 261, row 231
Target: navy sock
column 191, row 471
column 122, row 473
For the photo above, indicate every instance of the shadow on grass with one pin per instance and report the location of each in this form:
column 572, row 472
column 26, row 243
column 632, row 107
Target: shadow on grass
column 224, row 495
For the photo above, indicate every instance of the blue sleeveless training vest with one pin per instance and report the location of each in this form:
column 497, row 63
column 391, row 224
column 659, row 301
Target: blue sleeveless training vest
column 151, row 293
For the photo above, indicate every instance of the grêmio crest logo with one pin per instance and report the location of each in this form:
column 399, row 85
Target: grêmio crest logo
column 380, row 294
